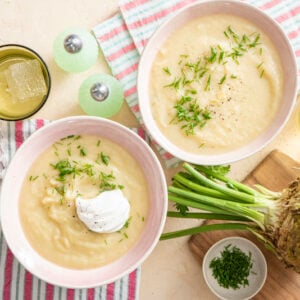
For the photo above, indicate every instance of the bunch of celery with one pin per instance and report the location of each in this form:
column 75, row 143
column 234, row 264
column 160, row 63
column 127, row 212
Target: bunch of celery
column 273, row 217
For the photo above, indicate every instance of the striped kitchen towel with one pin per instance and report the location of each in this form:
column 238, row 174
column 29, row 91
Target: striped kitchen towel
column 123, row 37
column 18, row 284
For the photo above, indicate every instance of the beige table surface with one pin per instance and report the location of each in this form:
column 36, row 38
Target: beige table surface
column 171, row 272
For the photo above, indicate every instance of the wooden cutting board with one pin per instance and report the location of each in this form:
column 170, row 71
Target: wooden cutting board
column 275, row 172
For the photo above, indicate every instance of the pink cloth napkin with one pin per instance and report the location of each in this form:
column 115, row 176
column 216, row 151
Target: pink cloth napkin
column 15, row 281
column 123, row 37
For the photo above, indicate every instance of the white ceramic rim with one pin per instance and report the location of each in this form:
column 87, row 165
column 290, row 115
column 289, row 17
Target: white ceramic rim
column 234, row 155
column 84, row 278
column 232, row 239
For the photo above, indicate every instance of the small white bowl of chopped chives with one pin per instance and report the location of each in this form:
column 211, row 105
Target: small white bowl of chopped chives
column 234, row 268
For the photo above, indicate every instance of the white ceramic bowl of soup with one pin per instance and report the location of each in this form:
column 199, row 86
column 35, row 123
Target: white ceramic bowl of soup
column 267, row 77
column 17, row 174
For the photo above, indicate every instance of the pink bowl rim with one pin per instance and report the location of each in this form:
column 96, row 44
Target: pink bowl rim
column 85, row 272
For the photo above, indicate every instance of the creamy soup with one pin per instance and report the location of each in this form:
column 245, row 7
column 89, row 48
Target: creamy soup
column 216, row 84
column 81, row 166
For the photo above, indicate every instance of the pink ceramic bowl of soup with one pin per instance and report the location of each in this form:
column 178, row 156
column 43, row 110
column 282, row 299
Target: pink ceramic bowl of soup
column 85, row 155
column 217, row 82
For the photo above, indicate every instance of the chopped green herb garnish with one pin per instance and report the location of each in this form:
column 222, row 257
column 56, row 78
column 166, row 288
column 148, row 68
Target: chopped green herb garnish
column 222, row 79
column 232, row 268
column 255, row 42
column 193, row 92
column 167, row 70
column 105, row 158
column 213, row 55
column 187, row 109
column 245, row 39
column 61, row 190
column 174, row 84
column 259, row 65
column 202, row 73
column 82, row 152
column 126, row 225
column 69, row 152
column 33, row 178
column 87, row 169
column 221, row 56
column 71, row 136
column 64, row 167
column 262, row 73
column 98, row 143
column 207, row 87
column 232, row 33
column 67, row 137
column 107, row 182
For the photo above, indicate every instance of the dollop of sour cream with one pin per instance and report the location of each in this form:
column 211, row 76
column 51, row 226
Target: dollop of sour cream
column 108, row 212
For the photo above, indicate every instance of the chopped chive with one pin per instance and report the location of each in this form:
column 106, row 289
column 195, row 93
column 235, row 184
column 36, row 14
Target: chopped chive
column 213, row 55
column 174, row 84
column 105, row 158
column 222, row 79
column 202, row 73
column 33, row 178
column 221, row 56
column 259, row 65
column 126, row 225
column 67, row 137
column 82, row 152
column 262, row 73
column 167, row 70
column 255, row 41
column 207, row 87
column 98, row 143
column 193, row 92
column 233, row 76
